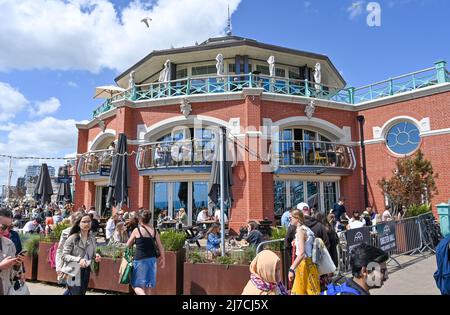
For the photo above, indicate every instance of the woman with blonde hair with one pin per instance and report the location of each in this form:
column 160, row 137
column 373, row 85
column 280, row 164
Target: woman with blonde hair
column 265, row 275
column 303, row 271
column 120, row 235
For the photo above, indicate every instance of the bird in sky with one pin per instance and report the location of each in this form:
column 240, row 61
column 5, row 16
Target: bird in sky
column 146, row 21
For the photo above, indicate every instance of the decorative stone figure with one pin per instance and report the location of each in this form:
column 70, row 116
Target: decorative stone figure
column 317, row 76
column 309, row 109
column 219, row 65
column 164, row 75
column 271, row 62
column 131, row 83
column 185, row 107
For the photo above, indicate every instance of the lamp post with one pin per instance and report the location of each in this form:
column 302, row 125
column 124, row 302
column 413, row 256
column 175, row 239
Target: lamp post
column 363, row 156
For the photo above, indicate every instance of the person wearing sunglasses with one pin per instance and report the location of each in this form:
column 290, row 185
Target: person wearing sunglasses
column 8, row 259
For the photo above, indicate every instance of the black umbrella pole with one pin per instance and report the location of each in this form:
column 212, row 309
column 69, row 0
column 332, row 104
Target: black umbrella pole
column 222, row 187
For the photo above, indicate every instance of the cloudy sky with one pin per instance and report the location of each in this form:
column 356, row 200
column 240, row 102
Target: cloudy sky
column 53, row 53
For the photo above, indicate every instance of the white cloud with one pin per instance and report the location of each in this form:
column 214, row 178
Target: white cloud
column 46, row 107
column 72, row 84
column 8, row 127
column 356, row 9
column 307, row 4
column 48, row 137
column 91, row 34
column 11, row 101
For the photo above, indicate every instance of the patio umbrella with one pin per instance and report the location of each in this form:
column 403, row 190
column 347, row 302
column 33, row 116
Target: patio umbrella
column 119, row 178
column 107, row 91
column 64, row 192
column 44, row 190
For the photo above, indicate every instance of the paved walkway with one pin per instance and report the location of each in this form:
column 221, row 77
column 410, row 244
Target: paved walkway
column 415, row 278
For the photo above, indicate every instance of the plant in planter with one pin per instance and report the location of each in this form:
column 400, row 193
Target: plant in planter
column 277, row 233
column 31, row 244
column 173, row 240
column 415, row 211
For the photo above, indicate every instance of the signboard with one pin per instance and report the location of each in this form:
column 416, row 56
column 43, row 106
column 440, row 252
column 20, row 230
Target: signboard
column 386, row 236
column 105, row 170
column 64, row 180
column 356, row 237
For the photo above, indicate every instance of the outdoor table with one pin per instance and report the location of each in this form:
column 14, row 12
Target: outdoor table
column 206, row 224
column 168, row 224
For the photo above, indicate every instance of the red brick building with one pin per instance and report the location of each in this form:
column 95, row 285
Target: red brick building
column 293, row 131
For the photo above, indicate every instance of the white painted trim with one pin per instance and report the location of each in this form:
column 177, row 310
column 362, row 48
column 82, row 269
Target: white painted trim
column 321, row 124
column 398, row 119
column 374, row 141
column 435, row 132
column 198, row 98
column 100, row 137
column 254, row 134
column 312, row 178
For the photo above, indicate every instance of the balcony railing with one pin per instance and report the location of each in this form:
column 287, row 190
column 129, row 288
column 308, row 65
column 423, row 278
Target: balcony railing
column 183, row 153
column 90, row 163
column 284, row 86
column 290, row 153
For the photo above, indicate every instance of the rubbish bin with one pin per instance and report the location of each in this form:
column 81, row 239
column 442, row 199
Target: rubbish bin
column 443, row 210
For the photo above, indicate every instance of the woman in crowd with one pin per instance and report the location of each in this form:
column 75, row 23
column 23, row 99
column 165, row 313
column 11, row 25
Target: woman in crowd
column 120, row 235
column 111, row 226
column 182, row 217
column 78, row 252
column 265, row 275
column 303, row 272
column 213, row 239
column 147, row 240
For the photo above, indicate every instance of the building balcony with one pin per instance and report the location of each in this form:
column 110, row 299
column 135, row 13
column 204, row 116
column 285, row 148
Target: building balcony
column 95, row 164
column 175, row 157
column 280, row 85
column 315, row 157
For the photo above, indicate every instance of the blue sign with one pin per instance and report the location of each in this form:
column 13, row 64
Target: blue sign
column 105, row 170
column 64, row 180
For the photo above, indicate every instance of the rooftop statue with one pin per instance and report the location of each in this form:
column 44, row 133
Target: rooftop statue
column 219, row 65
column 164, row 75
column 317, row 76
column 271, row 62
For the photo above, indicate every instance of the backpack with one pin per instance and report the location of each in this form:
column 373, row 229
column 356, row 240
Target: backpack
column 333, row 289
column 442, row 275
column 52, row 255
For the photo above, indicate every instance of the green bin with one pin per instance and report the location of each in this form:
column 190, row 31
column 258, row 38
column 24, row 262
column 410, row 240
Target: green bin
column 443, row 210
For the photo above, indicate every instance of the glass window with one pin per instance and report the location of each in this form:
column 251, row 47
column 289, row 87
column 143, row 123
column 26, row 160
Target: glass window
column 286, row 147
column 309, row 137
column 181, row 74
column 403, row 138
column 294, row 75
column 279, row 191
column 199, row 198
column 160, row 199
column 279, row 72
column 297, row 192
column 313, row 192
column 204, row 70
column 232, row 68
column 180, row 197
column 263, row 69
column 329, row 191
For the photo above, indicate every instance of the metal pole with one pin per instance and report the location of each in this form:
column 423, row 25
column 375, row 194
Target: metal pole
column 222, row 189
column 363, row 156
column 10, row 172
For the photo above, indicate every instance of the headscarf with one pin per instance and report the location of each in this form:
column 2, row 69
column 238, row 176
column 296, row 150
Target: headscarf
column 263, row 272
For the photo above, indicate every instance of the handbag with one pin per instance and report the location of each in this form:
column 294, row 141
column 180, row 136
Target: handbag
column 19, row 288
column 126, row 267
column 325, row 264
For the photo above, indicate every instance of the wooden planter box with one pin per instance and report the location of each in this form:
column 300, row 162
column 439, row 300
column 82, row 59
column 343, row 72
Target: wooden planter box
column 31, row 267
column 214, row 279
column 107, row 276
column 44, row 272
column 169, row 281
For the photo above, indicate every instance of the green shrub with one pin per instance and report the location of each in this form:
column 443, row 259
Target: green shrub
column 415, row 211
column 225, row 260
column 113, row 252
column 59, row 228
column 31, row 245
column 277, row 233
column 173, row 240
column 196, row 257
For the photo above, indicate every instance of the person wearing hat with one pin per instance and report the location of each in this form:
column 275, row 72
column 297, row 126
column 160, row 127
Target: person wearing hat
column 317, row 227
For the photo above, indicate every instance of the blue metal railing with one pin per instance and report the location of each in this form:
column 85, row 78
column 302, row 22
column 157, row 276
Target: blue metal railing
column 284, row 86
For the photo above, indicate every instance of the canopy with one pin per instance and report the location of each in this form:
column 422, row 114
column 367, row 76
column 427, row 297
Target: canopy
column 107, row 91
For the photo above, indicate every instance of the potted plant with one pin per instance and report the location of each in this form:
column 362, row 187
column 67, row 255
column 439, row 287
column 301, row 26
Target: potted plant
column 105, row 274
column 170, row 279
column 31, row 245
column 221, row 275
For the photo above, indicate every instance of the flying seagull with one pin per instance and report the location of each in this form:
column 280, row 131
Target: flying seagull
column 146, row 21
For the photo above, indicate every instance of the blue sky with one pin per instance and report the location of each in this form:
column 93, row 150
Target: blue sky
column 51, row 61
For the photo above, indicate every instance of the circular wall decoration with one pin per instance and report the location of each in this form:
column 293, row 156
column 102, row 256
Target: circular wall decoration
column 403, row 138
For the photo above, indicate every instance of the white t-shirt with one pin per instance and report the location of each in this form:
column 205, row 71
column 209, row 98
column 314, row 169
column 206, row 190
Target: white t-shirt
column 217, row 216
column 386, row 216
column 202, row 216
column 355, row 224
column 110, row 227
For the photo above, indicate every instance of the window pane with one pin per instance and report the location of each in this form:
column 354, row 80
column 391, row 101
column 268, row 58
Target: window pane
column 297, row 193
column 180, row 197
column 279, row 191
column 329, row 190
column 309, row 137
column 181, row 74
column 313, row 194
column 203, row 70
column 280, row 72
column 199, row 198
column 160, row 199
column 263, row 69
column 403, row 138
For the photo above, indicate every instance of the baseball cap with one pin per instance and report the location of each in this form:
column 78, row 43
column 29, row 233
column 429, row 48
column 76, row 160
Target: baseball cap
column 302, row 205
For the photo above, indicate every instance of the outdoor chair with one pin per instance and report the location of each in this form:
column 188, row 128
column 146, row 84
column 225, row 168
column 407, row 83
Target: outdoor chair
column 323, row 160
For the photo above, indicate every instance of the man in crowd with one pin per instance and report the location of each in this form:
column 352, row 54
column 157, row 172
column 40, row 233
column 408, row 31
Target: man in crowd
column 339, row 209
column 203, row 215
column 33, row 226
column 286, row 218
column 254, row 236
column 356, row 222
column 369, row 270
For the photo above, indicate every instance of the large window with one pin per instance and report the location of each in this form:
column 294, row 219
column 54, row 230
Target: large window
column 171, row 196
column 403, row 138
column 204, row 70
column 321, row 195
